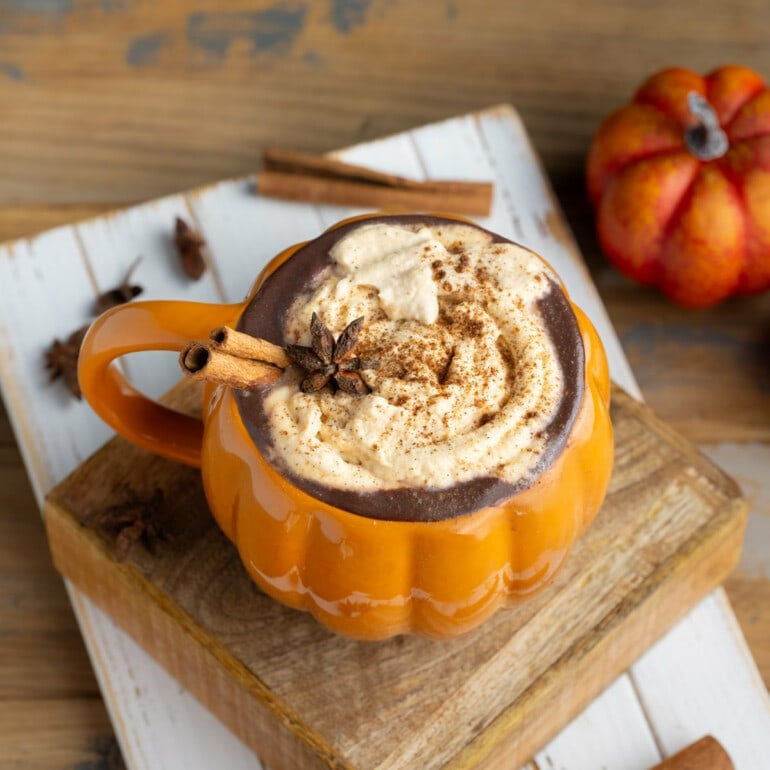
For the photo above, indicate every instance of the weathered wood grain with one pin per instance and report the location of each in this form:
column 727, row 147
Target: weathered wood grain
column 705, row 372
column 71, row 733
column 670, row 530
column 130, row 100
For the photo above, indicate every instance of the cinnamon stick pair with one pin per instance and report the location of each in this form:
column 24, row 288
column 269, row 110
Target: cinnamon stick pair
column 321, row 179
column 234, row 359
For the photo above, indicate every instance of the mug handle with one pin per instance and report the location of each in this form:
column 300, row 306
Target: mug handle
column 134, row 327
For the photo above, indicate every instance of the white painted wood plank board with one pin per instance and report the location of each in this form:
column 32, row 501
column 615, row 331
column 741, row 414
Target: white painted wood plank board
column 112, row 243
column 329, row 215
column 207, row 731
column 45, row 291
column 455, row 149
column 392, row 154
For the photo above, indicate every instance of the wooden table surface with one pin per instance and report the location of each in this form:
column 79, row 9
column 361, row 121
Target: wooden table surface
column 106, row 102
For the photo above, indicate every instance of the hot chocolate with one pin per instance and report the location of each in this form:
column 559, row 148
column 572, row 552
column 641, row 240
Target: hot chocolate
column 479, row 378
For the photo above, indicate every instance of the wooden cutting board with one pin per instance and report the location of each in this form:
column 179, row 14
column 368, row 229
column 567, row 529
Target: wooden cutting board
column 669, row 531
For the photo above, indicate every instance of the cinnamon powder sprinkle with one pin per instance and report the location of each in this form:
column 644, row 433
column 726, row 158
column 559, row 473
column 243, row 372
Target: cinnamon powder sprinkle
column 437, row 383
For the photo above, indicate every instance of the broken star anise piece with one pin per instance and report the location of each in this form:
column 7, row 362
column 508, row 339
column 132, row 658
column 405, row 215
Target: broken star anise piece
column 122, row 293
column 328, row 360
column 131, row 520
column 192, row 248
column 61, row 360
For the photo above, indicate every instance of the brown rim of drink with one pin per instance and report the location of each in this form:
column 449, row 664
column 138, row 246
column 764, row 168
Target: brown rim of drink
column 264, row 317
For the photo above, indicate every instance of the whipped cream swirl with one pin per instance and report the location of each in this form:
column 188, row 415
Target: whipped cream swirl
column 468, row 380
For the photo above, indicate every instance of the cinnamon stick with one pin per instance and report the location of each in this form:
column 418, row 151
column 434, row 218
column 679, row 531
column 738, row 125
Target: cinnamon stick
column 236, row 343
column 205, row 363
column 705, row 754
column 321, row 179
column 291, row 161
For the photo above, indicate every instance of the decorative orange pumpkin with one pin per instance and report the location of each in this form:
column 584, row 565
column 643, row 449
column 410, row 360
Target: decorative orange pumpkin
column 680, row 179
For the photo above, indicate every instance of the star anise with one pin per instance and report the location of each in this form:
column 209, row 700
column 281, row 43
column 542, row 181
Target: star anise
column 328, row 360
column 131, row 520
column 61, row 360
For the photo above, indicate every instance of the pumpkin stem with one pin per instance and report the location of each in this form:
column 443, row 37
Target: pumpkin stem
column 706, row 139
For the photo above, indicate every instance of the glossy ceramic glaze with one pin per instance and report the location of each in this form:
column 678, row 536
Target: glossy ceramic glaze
column 361, row 577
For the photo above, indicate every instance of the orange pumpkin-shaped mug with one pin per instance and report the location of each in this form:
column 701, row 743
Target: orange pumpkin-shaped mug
column 443, row 492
